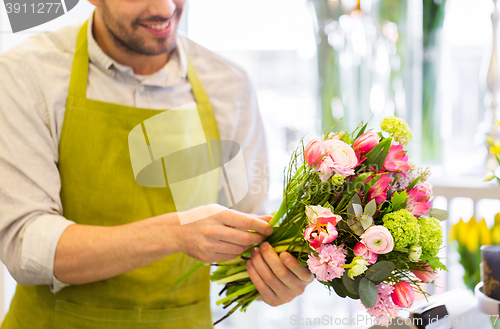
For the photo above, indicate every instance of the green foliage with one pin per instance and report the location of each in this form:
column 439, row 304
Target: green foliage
column 434, row 262
column 380, row 271
column 439, row 214
column 376, row 157
column 351, row 285
column 399, row 200
column 368, row 292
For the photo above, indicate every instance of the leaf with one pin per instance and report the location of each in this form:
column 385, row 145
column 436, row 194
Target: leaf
column 191, row 272
column 371, row 207
column 376, row 157
column 357, row 183
column 339, row 288
column 439, row 214
column 351, row 286
column 366, row 221
column 327, row 205
column 490, row 178
column 379, row 271
column 353, row 222
column 368, row 292
column 399, row 200
column 434, row 262
column 358, row 209
column 361, row 131
column 413, row 183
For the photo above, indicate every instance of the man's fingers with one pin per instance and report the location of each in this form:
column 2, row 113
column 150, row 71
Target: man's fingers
column 223, row 247
column 246, row 222
column 293, row 265
column 239, row 237
column 267, row 218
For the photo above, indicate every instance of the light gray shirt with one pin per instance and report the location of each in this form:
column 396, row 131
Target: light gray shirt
column 34, row 82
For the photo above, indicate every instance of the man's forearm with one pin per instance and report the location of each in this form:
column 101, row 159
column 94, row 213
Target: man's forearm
column 87, row 253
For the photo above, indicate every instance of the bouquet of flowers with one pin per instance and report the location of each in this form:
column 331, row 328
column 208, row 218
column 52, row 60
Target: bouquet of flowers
column 358, row 214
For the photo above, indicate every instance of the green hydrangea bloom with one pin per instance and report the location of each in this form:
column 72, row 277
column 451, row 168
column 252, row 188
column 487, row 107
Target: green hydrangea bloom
column 397, row 129
column 431, row 235
column 404, row 228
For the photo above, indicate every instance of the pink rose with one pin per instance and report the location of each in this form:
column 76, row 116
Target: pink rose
column 365, row 143
column 403, row 294
column 378, row 239
column 343, row 157
column 426, row 275
column 397, row 159
column 314, row 151
column 325, row 168
column 360, row 250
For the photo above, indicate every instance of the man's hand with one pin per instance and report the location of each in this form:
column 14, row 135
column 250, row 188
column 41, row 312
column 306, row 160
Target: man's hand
column 279, row 279
column 222, row 236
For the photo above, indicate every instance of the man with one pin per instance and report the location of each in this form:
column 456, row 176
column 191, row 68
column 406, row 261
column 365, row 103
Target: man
column 89, row 246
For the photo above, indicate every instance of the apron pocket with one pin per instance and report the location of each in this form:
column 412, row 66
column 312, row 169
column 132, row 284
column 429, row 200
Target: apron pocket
column 70, row 315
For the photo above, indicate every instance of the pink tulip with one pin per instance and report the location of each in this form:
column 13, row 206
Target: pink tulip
column 378, row 239
column 314, row 151
column 397, row 159
column 360, row 250
column 379, row 190
column 403, row 294
column 419, row 201
column 426, row 275
column 317, row 234
column 365, row 143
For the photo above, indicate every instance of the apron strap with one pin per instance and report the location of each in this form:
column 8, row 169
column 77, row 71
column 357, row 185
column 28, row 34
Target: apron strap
column 80, row 69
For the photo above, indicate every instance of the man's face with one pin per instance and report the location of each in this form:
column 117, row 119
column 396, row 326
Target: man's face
column 145, row 27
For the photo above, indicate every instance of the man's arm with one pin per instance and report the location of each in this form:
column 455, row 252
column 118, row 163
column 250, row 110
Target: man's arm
column 93, row 253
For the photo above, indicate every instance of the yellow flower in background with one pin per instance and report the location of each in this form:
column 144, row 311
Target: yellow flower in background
column 473, row 234
column 494, row 145
column 484, row 233
column 454, row 232
column 470, row 235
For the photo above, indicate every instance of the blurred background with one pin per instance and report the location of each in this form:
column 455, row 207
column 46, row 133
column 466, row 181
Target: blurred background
column 432, row 62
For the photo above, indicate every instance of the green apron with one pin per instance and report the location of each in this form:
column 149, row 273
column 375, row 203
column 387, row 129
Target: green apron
column 98, row 188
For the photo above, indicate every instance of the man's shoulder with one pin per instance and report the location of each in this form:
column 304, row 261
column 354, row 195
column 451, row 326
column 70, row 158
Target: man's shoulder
column 51, row 46
column 210, row 65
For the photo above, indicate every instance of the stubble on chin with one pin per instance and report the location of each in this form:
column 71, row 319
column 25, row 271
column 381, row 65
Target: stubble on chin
column 133, row 44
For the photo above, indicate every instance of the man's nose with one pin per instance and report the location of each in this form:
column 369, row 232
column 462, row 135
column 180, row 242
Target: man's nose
column 163, row 8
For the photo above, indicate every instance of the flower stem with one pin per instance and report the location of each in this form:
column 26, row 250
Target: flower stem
column 238, row 276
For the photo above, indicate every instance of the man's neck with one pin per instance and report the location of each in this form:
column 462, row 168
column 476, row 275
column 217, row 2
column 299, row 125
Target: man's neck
column 141, row 64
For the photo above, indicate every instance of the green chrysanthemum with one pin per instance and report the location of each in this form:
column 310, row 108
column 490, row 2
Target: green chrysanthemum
column 404, row 228
column 397, row 129
column 431, row 235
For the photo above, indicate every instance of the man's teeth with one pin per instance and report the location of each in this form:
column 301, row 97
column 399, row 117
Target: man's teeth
column 158, row 26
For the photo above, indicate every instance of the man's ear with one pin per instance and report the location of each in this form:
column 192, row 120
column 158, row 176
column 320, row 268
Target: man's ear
column 94, row 2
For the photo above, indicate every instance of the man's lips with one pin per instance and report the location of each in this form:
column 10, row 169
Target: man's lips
column 158, row 29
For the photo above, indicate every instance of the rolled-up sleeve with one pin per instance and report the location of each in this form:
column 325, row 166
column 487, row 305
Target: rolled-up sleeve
column 31, row 220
